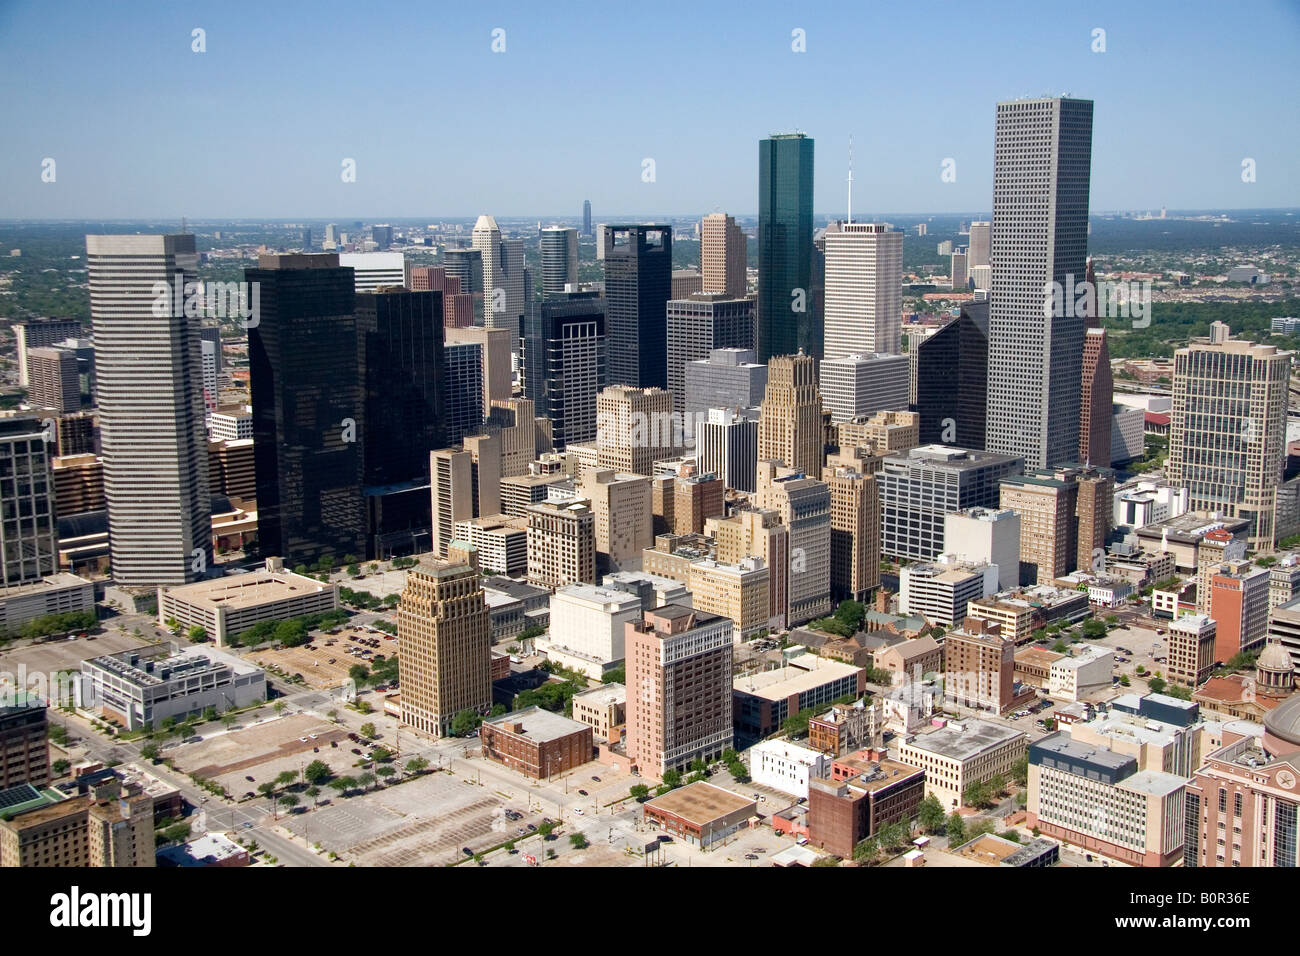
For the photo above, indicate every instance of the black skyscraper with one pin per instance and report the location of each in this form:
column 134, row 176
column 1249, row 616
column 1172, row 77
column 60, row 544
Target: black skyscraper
column 565, row 364
column 638, row 284
column 952, row 376
column 304, row 359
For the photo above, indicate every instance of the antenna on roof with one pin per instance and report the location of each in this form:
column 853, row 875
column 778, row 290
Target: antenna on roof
column 850, row 177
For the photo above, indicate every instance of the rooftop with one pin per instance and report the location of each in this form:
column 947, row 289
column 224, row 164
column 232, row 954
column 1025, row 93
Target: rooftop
column 248, row 590
column 965, row 739
column 538, row 724
column 613, row 693
column 794, row 677
column 701, row 803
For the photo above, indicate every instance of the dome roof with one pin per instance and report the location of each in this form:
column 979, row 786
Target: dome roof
column 1275, row 658
column 1283, row 721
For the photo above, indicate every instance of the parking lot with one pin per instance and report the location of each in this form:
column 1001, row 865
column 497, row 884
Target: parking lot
column 264, row 750
column 325, row 661
column 38, row 663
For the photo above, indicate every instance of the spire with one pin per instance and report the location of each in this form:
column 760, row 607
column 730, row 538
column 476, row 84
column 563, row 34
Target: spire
column 850, row 177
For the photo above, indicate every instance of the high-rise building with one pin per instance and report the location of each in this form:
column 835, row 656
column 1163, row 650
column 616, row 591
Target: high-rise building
column 790, row 425
column 561, row 543
column 1096, row 400
column 856, row 386
column 952, row 368
column 922, row 485
column 495, row 356
column 727, row 446
column 1227, row 433
column 24, row 741
column 697, row 326
column 635, row 428
column 382, row 236
column 1042, row 167
column 40, row 333
column 787, row 322
column 374, row 270
column 759, row 534
column 1064, row 519
column 638, row 285
column 466, row 266
column 559, row 249
column 211, row 361
column 1239, row 607
column 1191, row 649
column 53, row 379
column 864, row 290
column 723, row 256
column 565, row 364
column 728, row 378
column 151, row 408
column 678, row 688
column 986, row 536
column 623, row 526
column 309, row 421
column 804, row 504
column 959, row 278
column 855, row 534
column 979, row 666
column 451, row 492
column 586, row 217
column 978, row 250
column 444, row 638
column 697, row 496
column 463, row 397
column 503, row 276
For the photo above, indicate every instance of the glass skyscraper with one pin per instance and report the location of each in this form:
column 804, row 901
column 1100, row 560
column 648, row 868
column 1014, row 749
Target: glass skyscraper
column 786, row 319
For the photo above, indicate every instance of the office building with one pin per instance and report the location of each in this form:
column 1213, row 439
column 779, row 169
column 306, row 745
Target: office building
column 765, row 699
column 723, row 257
column 699, row 324
column 699, row 814
column 559, row 250
column 959, row 273
column 787, row 322
column 736, row 591
column 537, row 742
column 979, row 666
column 151, row 409
column 940, row 591
column 24, row 741
column 1228, row 430
column 1191, row 649
column 638, row 284
column 679, row 677
column 979, row 244
column 40, row 333
column 790, row 424
column 503, row 276
column 1096, row 399
column 759, row 534
column 452, row 494
column 856, row 386
column 960, row 754
column 1042, row 168
column 922, row 485
column 1074, row 677
column 1064, row 520
column 1239, row 607
column 804, row 505
column 846, row 728
column 727, row 446
column 28, row 541
column 855, row 534
column 588, row 627
column 635, row 428
column 565, row 365
column 951, row 380
column 845, row 809
column 463, row 397
column 986, row 536
column 501, row 542
column 495, row 353
column 864, row 297
column 620, row 503
column 787, row 767
column 111, row 826
column 53, row 379
column 374, row 270
column 561, row 544
column 309, row 409
column 728, row 378
column 586, row 217
column 603, row 709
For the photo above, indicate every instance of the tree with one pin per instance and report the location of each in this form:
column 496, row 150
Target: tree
column 867, row 850
column 198, row 634
column 980, row 827
column 150, row 752
column 827, row 861
column 465, row 723
column 368, row 731
column 228, row 719
column 286, row 777
column 279, row 706
column 175, row 833
column 386, row 771
column 1020, row 772
column 366, row 780
column 359, row 673
column 698, row 765
column 417, row 765
column 316, row 772
column 796, row 725
column 893, row 835
column 930, row 814
column 672, row 779
column 60, row 767
column 976, row 794
column 1181, row 691
column 289, row 800
column 1060, row 647
column 1093, row 629
column 578, row 841
column 313, row 792
column 342, row 784
column 956, row 829
column 1157, row 685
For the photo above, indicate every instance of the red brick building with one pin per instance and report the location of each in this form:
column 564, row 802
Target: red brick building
column 843, row 813
column 537, row 742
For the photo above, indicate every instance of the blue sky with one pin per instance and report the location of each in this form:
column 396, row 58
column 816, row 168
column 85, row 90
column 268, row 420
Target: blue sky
column 439, row 125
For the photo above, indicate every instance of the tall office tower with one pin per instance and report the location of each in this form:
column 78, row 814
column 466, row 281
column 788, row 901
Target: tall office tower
column 959, row 281
column 451, row 494
column 53, row 379
column 382, row 236
column 1217, row 548
column 790, row 425
column 24, row 741
column 723, row 255
column 854, row 386
column 697, row 325
column 444, row 638
column 727, row 445
column 1041, row 170
column 403, row 364
column 78, row 434
column 864, row 290
column 306, row 238
column 979, row 666
column 374, row 270
column 697, row 496
column 466, row 265
column 586, row 217
column 1064, row 519
column 759, row 534
column 559, row 248
column 638, row 285
column 495, row 354
column 485, row 474
column 686, row 282
column 457, row 306
column 678, row 688
column 920, row 486
column 804, row 504
column 151, row 409
column 309, row 422
column 561, row 543
column 623, row 526
column 786, row 320
column 977, row 253
column 332, row 233
column 986, row 536
column 855, row 534
column 1227, row 435
column 1094, row 514
column 635, row 428
column 728, row 378
column 463, row 397
column 514, row 422
column 952, row 372
column 28, row 539
column 1096, row 399
column 38, row 334
column 210, row 360
column 601, row 230
column 503, row 276
column 565, row 365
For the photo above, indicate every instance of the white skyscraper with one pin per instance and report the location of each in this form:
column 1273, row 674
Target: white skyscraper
column 857, row 385
column 864, row 290
column 1041, row 172
column 371, row 270
column 503, row 275
column 150, row 380
column 559, row 247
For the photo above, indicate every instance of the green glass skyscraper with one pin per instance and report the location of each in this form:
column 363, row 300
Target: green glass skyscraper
column 786, row 320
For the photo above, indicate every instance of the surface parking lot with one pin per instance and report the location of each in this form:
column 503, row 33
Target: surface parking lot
column 49, row 658
column 264, row 750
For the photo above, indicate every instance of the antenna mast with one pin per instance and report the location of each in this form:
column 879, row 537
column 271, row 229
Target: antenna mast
column 850, row 177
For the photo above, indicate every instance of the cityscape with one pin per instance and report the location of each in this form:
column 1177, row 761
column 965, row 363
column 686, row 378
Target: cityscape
column 762, row 530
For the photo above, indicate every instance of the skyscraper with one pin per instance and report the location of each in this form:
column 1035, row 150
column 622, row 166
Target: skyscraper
column 565, row 365
column 952, row 368
column 638, row 284
column 786, row 320
column 790, row 425
column 309, row 407
column 1098, row 392
column 1042, row 165
column 28, row 542
column 151, row 408
column 978, row 251
column 444, row 638
column 722, row 256
column 728, row 378
column 634, row 428
column 463, row 377
column 854, row 386
column 559, row 248
column 804, row 504
column 864, row 290
column 39, row 333
column 503, row 276
column 697, row 325
column 586, row 217
column 855, row 534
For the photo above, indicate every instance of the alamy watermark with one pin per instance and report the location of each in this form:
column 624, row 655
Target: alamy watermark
column 222, row 300
column 1099, row 300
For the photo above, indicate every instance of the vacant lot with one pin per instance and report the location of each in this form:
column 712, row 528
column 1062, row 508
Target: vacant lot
column 264, row 750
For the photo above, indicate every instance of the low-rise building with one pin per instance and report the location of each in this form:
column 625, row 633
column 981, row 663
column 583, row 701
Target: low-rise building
column 700, row 813
column 24, row 740
column 909, row 660
column 846, row 727
column 763, row 701
column 940, row 591
column 603, row 709
column 785, row 766
column 1191, row 649
column 502, row 542
column 989, row 849
column 909, row 707
column 1086, row 673
column 536, row 742
column 211, row 849
column 842, row 813
column 1034, row 666
column 962, row 753
column 59, row 593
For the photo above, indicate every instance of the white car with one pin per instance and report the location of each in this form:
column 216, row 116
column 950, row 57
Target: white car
column 577, row 811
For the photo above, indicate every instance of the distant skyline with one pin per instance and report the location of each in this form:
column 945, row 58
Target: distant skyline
column 257, row 127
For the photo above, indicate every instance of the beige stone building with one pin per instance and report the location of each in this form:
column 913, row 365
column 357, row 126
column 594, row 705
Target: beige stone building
column 604, row 709
column 758, row 534
column 722, row 255
column 855, row 534
column 790, row 423
column 736, row 591
column 561, row 544
column 635, row 428
column 621, row 504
